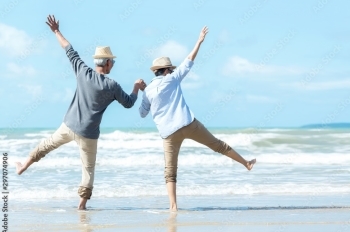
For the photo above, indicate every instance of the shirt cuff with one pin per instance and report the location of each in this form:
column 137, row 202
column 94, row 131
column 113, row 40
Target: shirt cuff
column 188, row 62
column 69, row 46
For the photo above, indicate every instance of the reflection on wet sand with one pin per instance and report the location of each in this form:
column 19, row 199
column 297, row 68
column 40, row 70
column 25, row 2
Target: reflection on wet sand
column 172, row 222
column 85, row 220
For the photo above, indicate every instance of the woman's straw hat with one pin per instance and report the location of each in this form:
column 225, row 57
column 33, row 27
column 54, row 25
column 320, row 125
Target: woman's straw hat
column 162, row 62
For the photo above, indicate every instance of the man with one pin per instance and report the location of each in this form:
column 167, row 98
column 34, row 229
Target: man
column 95, row 91
column 174, row 120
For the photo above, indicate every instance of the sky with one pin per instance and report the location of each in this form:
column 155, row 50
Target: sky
column 264, row 63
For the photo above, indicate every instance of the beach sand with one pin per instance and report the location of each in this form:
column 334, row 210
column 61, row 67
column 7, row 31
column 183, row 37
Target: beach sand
column 196, row 213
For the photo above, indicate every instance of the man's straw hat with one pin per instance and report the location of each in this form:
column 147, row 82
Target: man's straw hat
column 162, row 62
column 103, row 52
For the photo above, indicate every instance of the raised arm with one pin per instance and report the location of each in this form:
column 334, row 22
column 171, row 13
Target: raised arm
column 181, row 71
column 77, row 63
column 54, row 26
column 200, row 40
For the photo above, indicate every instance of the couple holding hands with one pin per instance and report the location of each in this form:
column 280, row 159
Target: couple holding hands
column 162, row 97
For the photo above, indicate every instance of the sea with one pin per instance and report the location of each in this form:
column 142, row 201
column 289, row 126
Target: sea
column 292, row 163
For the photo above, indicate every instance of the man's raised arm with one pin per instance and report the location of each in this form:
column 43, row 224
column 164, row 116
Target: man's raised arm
column 77, row 64
column 54, row 26
column 200, row 40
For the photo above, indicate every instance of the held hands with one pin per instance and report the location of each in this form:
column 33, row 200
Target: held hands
column 140, row 84
column 203, row 33
column 53, row 24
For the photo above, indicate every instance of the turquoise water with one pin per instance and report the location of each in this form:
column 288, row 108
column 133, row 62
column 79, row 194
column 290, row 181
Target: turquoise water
column 290, row 162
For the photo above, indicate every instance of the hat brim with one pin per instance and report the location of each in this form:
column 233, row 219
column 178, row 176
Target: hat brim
column 153, row 68
column 102, row 56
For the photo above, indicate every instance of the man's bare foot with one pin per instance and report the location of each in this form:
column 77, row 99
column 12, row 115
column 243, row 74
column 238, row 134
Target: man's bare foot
column 82, row 204
column 19, row 168
column 250, row 164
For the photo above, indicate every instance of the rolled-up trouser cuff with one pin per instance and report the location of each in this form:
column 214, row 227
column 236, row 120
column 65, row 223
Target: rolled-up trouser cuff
column 221, row 147
column 59, row 137
column 195, row 131
column 41, row 150
column 170, row 175
column 84, row 192
column 35, row 156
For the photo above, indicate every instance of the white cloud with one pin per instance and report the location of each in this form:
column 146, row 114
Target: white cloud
column 238, row 65
column 191, row 85
column 68, row 94
column 22, row 71
column 224, row 36
column 191, row 81
column 63, row 96
column 172, row 49
column 148, row 31
column 225, row 94
column 13, row 42
column 260, row 99
column 32, row 90
column 326, row 85
column 192, row 76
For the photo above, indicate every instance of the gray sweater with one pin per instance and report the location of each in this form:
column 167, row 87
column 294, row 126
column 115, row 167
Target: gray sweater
column 93, row 94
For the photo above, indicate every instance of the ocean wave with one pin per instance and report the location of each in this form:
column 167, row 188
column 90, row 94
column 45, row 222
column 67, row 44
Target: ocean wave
column 129, row 143
column 40, row 135
column 194, row 159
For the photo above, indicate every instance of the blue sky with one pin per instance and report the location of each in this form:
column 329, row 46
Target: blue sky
column 263, row 63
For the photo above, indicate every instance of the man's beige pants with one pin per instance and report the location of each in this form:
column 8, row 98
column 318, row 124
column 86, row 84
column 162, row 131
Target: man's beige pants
column 195, row 131
column 88, row 150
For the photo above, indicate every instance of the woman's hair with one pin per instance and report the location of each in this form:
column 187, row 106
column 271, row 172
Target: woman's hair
column 101, row 62
column 160, row 71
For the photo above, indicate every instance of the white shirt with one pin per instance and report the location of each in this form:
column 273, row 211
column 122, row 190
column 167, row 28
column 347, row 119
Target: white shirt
column 163, row 97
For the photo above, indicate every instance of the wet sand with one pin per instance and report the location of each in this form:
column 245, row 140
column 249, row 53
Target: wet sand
column 196, row 214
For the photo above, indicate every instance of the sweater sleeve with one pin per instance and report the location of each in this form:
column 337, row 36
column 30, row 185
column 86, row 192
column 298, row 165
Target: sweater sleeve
column 123, row 98
column 77, row 63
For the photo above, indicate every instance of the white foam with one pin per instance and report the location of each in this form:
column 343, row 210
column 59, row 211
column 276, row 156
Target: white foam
column 341, row 135
column 141, row 140
column 246, row 190
column 126, row 149
column 304, row 158
column 208, row 158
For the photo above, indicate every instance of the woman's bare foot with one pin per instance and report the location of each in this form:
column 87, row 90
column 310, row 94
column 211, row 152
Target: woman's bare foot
column 250, row 164
column 173, row 207
column 19, row 168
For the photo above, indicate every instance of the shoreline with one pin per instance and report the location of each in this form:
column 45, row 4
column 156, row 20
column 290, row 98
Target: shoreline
column 196, row 213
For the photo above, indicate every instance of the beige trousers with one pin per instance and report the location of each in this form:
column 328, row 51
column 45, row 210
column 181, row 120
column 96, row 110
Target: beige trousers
column 88, row 150
column 195, row 131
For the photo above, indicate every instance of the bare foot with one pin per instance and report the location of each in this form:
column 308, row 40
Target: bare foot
column 250, row 164
column 19, row 168
column 82, row 204
column 173, row 207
